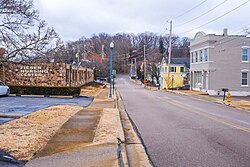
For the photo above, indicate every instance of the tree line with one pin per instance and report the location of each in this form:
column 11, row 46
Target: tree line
column 126, row 47
column 27, row 38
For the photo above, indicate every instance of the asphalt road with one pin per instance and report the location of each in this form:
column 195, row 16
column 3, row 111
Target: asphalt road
column 180, row 130
column 26, row 105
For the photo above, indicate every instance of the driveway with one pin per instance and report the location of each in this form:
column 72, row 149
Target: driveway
column 19, row 106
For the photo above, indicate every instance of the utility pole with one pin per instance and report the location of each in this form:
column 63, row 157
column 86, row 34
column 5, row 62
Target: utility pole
column 102, row 52
column 145, row 73
column 135, row 68
column 78, row 55
column 125, row 64
column 169, row 53
column 84, row 52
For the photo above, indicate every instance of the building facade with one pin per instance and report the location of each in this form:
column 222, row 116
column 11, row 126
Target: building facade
column 44, row 74
column 177, row 70
column 220, row 61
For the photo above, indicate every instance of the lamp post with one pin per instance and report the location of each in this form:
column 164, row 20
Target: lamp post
column 111, row 46
column 159, row 75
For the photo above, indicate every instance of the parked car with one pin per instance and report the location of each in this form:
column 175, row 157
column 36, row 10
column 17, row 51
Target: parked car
column 184, row 87
column 101, row 80
column 4, row 89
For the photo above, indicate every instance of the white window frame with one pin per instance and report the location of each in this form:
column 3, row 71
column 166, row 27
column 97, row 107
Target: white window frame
column 198, row 76
column 247, row 78
column 206, row 54
column 192, row 57
column 245, row 47
column 201, row 55
column 196, row 56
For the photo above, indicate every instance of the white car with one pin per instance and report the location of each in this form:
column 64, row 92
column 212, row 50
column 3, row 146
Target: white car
column 4, row 90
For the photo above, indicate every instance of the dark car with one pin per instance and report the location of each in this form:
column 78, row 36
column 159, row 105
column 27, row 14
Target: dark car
column 101, row 80
column 184, row 87
column 6, row 160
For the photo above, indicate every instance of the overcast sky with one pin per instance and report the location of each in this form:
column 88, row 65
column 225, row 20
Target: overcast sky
column 73, row 19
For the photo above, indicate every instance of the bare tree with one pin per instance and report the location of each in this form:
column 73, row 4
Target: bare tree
column 21, row 40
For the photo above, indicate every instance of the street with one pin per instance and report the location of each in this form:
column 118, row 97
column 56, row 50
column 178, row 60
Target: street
column 180, row 130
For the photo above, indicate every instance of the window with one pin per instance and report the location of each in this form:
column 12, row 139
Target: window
column 182, row 69
column 196, row 56
column 244, row 79
column 201, row 55
column 76, row 79
column 245, row 54
column 192, row 57
column 198, row 78
column 67, row 75
column 205, row 55
column 172, row 69
column 73, row 75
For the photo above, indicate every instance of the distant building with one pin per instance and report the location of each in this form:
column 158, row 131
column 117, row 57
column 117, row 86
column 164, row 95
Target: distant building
column 220, row 61
column 133, row 69
column 179, row 68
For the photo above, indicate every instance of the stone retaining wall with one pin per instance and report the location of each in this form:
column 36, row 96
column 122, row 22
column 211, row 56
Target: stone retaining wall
column 44, row 74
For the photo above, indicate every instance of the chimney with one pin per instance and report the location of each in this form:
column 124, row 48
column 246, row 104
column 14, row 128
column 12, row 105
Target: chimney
column 225, row 32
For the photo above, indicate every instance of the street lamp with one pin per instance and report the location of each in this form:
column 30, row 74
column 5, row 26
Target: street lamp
column 111, row 46
column 77, row 56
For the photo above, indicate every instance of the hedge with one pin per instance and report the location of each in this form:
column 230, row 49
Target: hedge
column 45, row 90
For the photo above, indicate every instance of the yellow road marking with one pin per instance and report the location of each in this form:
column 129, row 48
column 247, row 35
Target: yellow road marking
column 222, row 121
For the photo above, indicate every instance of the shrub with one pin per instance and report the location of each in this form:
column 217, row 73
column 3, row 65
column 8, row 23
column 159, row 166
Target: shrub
column 45, row 90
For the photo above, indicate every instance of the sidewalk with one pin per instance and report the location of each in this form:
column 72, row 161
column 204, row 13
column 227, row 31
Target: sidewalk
column 87, row 139
column 236, row 102
column 66, row 135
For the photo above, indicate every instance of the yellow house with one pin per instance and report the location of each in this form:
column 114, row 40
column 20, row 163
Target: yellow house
column 176, row 78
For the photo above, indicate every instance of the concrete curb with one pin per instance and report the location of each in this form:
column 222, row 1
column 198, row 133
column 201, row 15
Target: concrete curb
column 211, row 99
column 4, row 115
column 19, row 95
column 124, row 150
column 139, row 149
column 114, row 128
column 63, row 97
column 43, row 96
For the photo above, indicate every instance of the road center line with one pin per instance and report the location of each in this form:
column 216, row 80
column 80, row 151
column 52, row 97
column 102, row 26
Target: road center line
column 212, row 117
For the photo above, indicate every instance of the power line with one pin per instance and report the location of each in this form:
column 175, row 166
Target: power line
column 217, row 17
column 229, row 39
column 238, row 31
column 163, row 28
column 189, row 10
column 232, row 37
column 201, row 14
column 181, row 15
